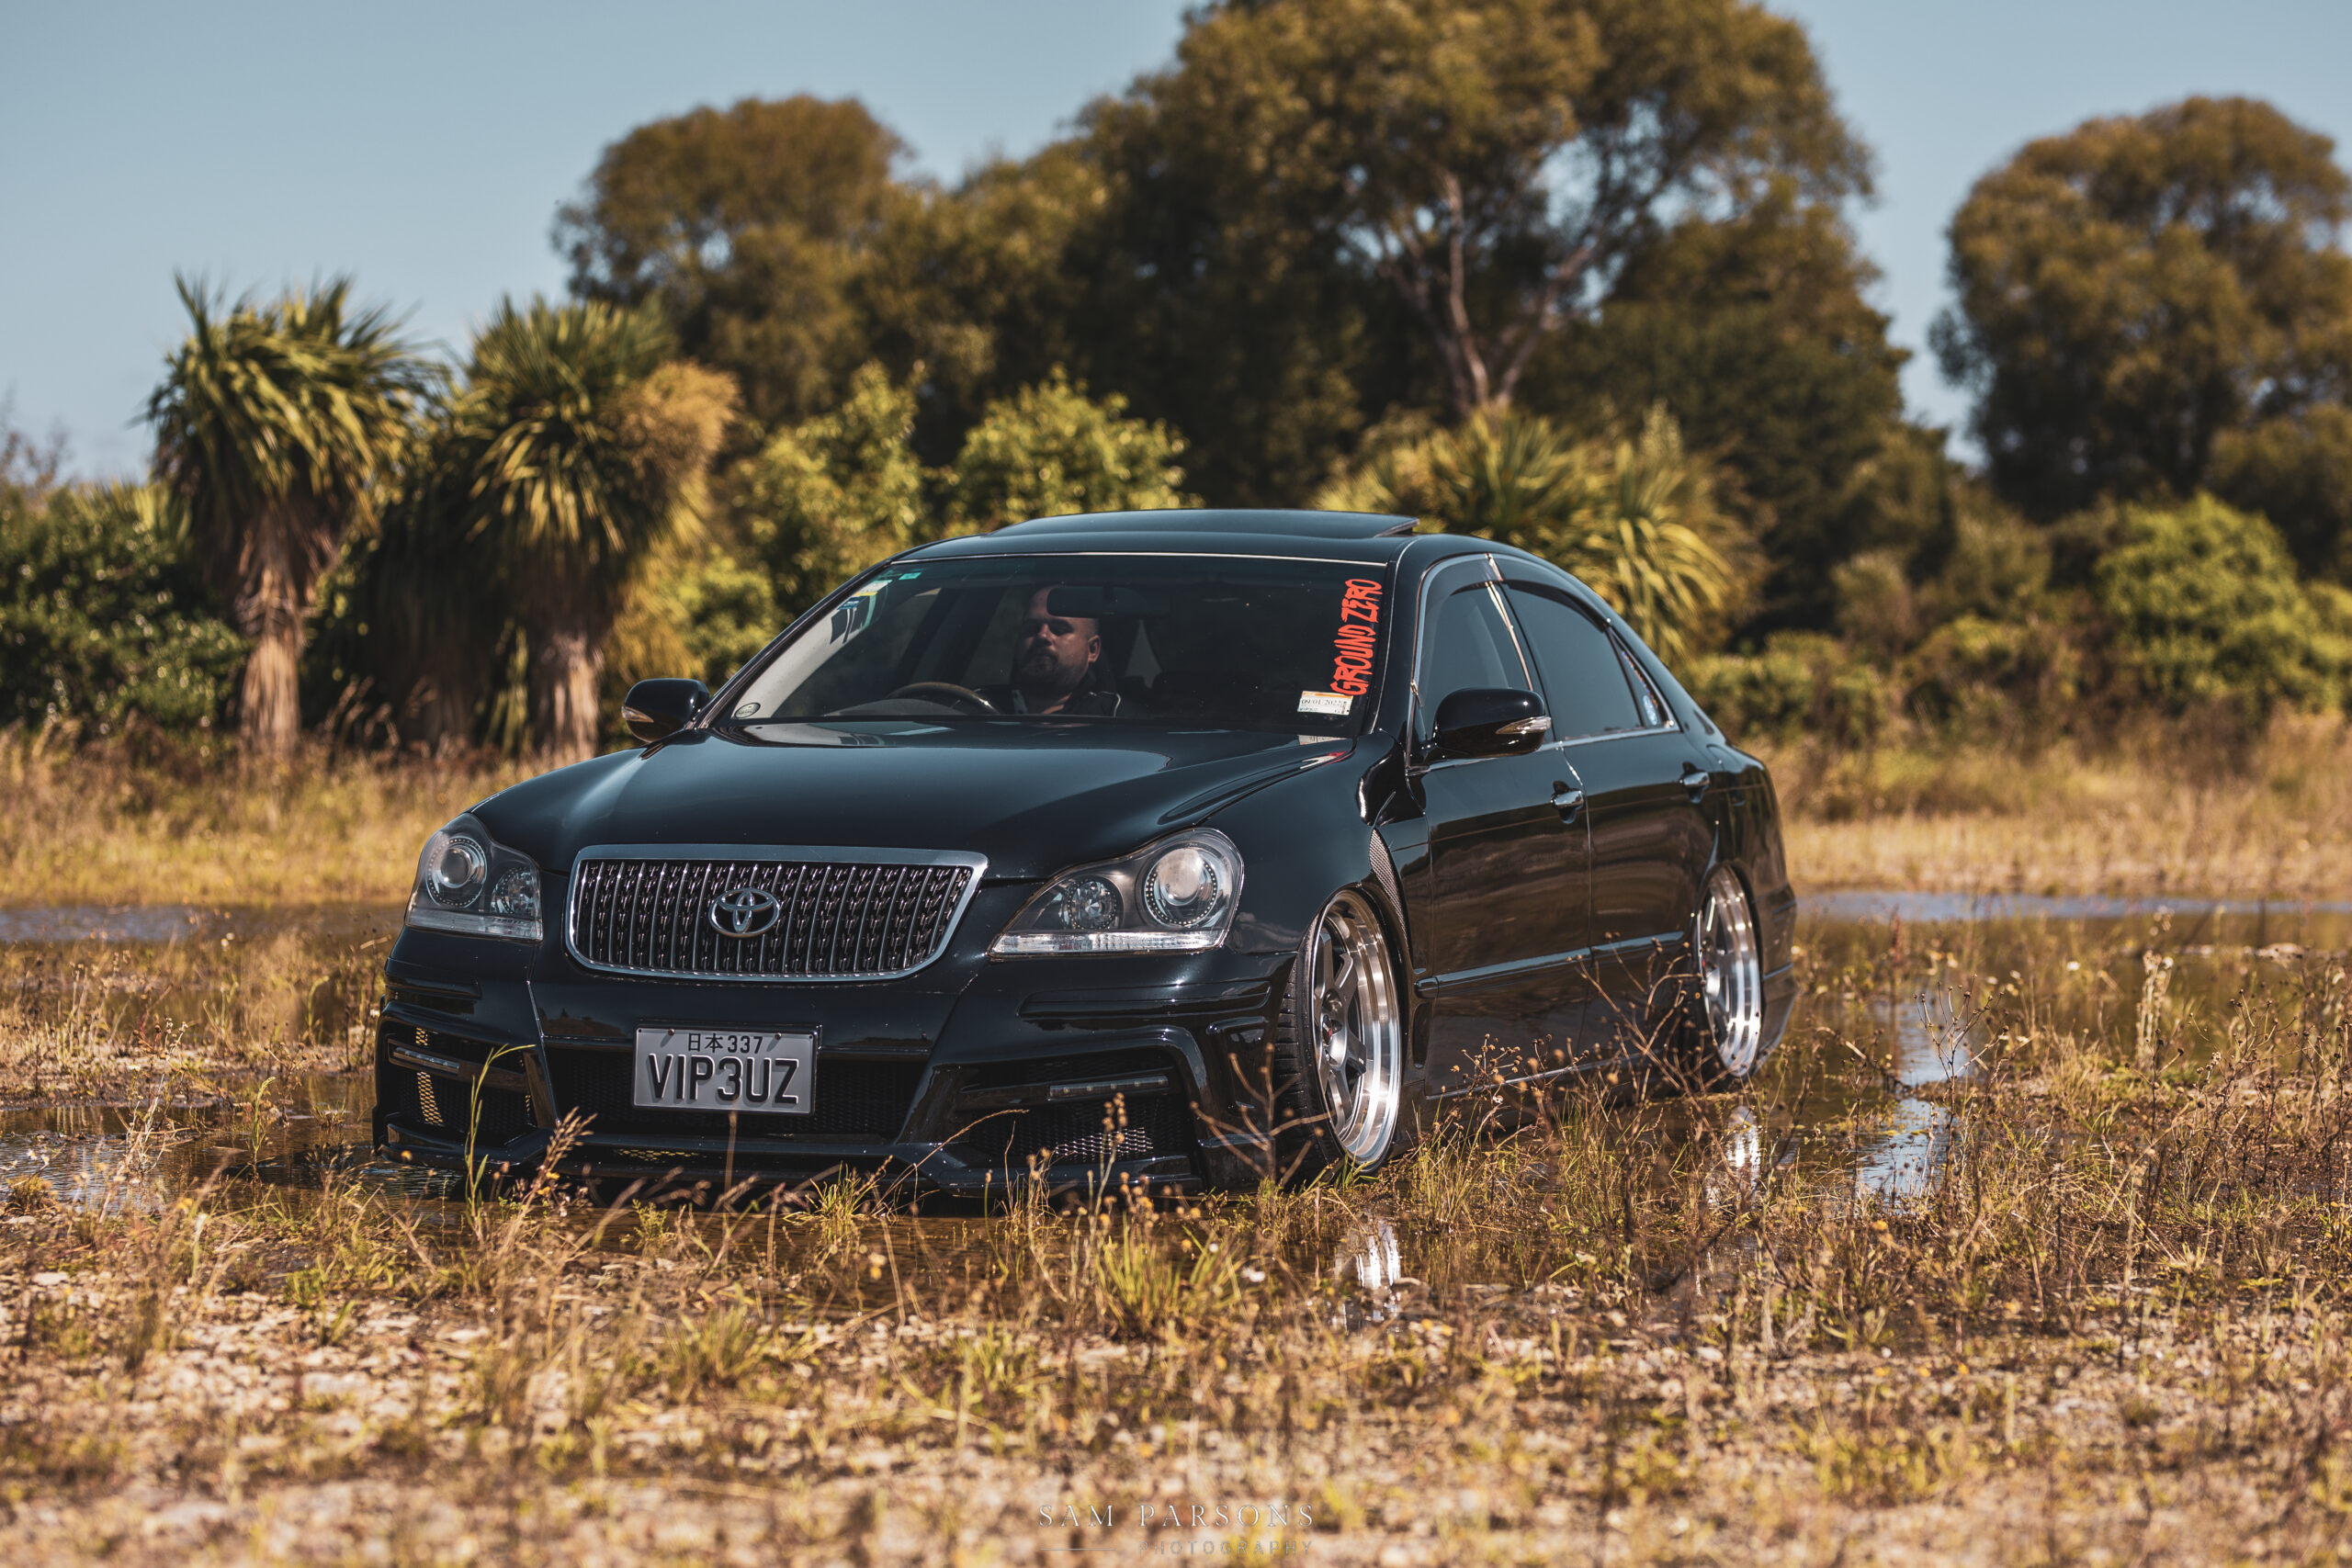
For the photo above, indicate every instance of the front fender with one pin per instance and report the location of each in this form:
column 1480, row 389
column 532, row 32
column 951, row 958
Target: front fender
column 1301, row 840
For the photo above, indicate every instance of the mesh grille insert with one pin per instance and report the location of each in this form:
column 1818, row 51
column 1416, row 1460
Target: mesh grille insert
column 838, row 920
column 1080, row 1134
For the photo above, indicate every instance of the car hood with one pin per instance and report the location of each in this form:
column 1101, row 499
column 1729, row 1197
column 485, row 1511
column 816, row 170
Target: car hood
column 1033, row 798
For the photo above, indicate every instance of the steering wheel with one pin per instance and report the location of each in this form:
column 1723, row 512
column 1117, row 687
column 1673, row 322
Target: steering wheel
column 949, row 693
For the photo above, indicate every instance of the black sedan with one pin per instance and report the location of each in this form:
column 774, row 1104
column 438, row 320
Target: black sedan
column 1172, row 847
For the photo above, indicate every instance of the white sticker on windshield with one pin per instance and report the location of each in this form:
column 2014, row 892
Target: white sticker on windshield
column 1329, row 703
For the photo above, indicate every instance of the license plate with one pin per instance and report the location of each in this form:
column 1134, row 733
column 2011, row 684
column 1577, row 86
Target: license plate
column 756, row 1071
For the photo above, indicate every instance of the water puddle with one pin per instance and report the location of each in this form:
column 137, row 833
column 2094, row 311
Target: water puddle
column 59, row 924
column 1844, row 907
column 114, row 1158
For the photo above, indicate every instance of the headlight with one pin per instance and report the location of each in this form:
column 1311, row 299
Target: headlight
column 1177, row 896
column 467, row 881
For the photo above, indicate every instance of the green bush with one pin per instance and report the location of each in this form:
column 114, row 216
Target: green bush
column 1050, row 450
column 2205, row 610
column 103, row 618
column 1801, row 683
column 1973, row 676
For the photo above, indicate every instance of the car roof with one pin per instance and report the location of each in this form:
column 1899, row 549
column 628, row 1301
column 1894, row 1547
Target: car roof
column 1349, row 535
column 1296, row 524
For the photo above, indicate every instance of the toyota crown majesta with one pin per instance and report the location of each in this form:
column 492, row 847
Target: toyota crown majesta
column 1177, row 847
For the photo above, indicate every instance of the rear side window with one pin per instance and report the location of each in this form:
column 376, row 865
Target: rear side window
column 1645, row 698
column 1469, row 644
column 1585, row 676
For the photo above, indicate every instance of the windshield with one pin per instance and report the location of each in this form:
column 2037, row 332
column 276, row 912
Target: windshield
column 1226, row 642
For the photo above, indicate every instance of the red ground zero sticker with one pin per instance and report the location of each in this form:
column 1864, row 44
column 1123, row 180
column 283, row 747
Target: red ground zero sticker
column 1359, row 632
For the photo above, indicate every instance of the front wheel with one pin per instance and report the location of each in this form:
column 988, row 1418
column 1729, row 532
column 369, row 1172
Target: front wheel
column 1729, row 1021
column 1342, row 1052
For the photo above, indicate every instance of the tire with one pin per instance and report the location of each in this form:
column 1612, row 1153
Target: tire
column 1725, row 1034
column 1339, row 1049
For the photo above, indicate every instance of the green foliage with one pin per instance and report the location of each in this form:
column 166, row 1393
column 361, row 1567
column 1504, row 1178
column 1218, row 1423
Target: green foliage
column 2296, row 470
column 696, row 612
column 834, row 494
column 581, row 450
column 582, row 442
column 1753, row 333
column 104, row 620
column 728, row 613
column 1801, row 683
column 2157, row 305
column 974, row 285
column 2206, row 610
column 1050, row 450
column 273, row 423
column 1976, row 676
column 1320, row 212
column 1636, row 518
column 830, row 496
column 1489, row 163
column 1991, row 563
column 749, row 226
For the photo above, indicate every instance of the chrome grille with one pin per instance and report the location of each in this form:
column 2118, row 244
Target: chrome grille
column 841, row 915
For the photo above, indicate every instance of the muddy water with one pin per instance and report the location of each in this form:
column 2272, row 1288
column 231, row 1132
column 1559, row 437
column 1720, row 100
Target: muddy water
column 1905, row 993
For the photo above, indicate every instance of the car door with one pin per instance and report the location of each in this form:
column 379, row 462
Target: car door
column 1644, row 785
column 1502, row 884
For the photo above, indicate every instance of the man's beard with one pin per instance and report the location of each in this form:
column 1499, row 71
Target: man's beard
column 1039, row 668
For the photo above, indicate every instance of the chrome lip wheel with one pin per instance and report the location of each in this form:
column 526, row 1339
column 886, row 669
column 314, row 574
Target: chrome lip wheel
column 1731, row 973
column 1351, row 1014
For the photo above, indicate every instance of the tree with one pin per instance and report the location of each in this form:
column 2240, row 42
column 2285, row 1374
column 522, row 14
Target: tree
column 272, row 425
column 1493, row 163
column 1754, row 333
column 2151, row 306
column 1049, row 450
column 1635, row 517
column 749, row 227
column 584, row 448
column 103, row 617
column 976, row 286
column 2206, row 608
column 831, row 495
column 427, row 598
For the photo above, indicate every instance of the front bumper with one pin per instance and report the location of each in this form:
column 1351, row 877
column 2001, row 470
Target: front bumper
column 969, row 1077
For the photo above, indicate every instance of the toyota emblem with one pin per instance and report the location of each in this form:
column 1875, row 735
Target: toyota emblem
column 744, row 912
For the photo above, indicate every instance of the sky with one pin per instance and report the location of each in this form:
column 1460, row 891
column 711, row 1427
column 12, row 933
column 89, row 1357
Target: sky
column 424, row 148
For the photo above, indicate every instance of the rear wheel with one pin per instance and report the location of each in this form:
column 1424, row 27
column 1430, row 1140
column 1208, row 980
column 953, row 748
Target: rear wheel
column 1341, row 1055
column 1729, row 1016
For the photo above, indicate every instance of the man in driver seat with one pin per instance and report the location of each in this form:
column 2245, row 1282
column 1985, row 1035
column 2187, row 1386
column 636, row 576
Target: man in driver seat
column 1055, row 660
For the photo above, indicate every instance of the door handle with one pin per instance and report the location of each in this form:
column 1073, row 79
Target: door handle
column 1696, row 780
column 1569, row 801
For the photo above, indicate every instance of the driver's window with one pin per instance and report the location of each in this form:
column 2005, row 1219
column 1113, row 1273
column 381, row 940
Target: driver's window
column 1469, row 644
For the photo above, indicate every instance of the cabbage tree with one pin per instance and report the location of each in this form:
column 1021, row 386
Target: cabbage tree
column 273, row 422
column 583, row 448
column 1636, row 517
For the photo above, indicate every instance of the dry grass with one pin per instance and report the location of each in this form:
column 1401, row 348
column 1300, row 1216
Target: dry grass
column 101, row 826
column 2156, row 812
column 2108, row 1324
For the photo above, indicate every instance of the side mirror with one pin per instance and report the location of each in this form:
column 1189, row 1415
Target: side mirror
column 655, row 710
column 1490, row 721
